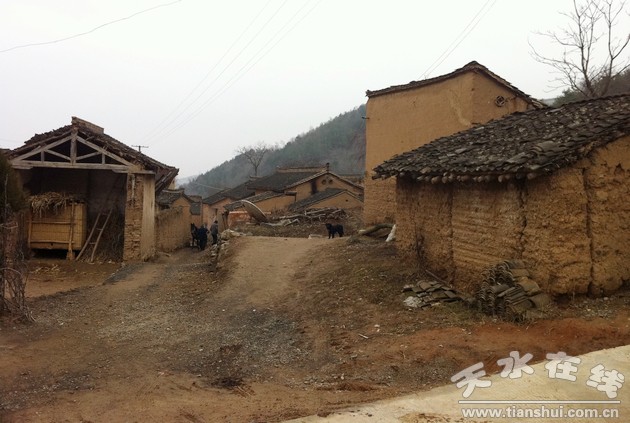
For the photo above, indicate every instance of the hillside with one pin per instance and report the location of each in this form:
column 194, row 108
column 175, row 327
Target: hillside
column 340, row 142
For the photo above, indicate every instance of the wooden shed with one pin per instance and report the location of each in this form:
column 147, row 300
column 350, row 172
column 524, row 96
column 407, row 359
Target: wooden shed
column 548, row 187
column 58, row 228
column 115, row 184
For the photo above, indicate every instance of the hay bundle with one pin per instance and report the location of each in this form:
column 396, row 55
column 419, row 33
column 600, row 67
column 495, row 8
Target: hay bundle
column 50, row 202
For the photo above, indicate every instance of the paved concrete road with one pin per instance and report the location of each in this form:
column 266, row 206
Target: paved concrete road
column 553, row 390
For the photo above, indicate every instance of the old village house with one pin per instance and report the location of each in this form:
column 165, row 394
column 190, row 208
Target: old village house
column 287, row 186
column 549, row 187
column 109, row 181
column 403, row 117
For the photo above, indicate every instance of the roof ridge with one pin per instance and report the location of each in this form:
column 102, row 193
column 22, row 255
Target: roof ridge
column 472, row 66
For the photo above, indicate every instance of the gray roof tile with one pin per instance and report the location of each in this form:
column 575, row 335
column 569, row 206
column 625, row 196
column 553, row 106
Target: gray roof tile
column 517, row 146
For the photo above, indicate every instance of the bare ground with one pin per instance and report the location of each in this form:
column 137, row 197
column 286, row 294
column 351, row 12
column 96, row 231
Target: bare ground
column 288, row 327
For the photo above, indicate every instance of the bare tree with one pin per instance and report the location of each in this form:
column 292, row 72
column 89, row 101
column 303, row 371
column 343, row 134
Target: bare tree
column 254, row 154
column 592, row 47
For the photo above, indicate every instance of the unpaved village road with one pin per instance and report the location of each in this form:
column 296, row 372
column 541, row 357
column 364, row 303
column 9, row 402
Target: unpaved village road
column 288, row 327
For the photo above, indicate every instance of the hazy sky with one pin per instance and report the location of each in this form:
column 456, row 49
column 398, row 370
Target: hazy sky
column 195, row 79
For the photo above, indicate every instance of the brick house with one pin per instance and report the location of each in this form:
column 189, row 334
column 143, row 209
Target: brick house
column 81, row 160
column 403, row 117
column 547, row 186
column 286, row 186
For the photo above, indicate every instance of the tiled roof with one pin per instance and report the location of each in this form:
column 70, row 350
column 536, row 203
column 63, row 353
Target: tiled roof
column 237, row 193
column 279, row 181
column 470, row 67
column 254, row 199
column 315, row 198
column 164, row 174
column 215, row 198
column 517, row 146
column 168, row 197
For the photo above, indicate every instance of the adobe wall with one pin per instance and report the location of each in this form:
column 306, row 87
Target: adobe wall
column 487, row 222
column 274, row 204
column 557, row 246
column 342, row 200
column 322, row 183
column 423, row 229
column 608, row 187
column 139, row 238
column 405, row 120
column 571, row 228
column 147, row 245
column 379, row 200
column 214, row 211
column 172, row 226
column 475, row 226
column 402, row 121
column 172, row 229
column 488, row 105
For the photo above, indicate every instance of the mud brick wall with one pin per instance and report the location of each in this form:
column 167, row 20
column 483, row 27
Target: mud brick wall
column 139, row 242
column 487, row 222
column 423, row 227
column 571, row 228
column 172, row 229
column 404, row 120
column 607, row 181
column 379, row 203
column 557, row 247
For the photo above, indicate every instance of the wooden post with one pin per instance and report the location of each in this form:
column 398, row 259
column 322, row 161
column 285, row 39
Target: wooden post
column 70, row 254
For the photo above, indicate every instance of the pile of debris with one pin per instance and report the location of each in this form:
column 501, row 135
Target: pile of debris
column 320, row 215
column 508, row 292
column 430, row 292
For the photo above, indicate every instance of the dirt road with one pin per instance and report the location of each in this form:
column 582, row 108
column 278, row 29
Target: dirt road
column 289, row 327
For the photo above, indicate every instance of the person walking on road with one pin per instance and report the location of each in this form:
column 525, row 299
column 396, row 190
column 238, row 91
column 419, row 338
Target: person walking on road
column 214, row 231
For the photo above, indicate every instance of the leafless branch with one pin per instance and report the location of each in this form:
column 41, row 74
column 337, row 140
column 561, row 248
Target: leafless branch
column 591, row 49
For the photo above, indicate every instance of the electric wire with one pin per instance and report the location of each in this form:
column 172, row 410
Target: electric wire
column 228, row 84
column 155, row 134
column 91, row 30
column 463, row 34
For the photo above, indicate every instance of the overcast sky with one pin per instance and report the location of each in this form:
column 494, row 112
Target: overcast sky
column 195, row 79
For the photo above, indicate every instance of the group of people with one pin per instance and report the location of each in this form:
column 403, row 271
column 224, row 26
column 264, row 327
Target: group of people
column 201, row 234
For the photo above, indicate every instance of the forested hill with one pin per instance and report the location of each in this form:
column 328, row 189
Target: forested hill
column 340, row 142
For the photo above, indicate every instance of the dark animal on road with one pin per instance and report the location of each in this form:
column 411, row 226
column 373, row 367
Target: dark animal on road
column 334, row 229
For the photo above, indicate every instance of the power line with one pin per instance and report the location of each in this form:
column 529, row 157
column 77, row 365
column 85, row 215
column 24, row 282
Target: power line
column 238, row 76
column 463, row 34
column 167, row 120
column 91, row 30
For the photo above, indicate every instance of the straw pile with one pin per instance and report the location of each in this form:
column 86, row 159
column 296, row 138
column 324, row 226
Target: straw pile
column 50, row 202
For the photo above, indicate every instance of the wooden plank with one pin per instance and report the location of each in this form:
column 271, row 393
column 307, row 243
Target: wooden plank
column 54, row 153
column 31, row 164
column 86, row 156
column 40, row 148
column 105, row 152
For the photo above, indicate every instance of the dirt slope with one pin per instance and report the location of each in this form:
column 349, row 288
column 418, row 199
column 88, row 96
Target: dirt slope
column 289, row 327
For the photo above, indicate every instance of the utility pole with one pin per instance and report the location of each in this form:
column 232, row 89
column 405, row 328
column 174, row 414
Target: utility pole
column 140, row 147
